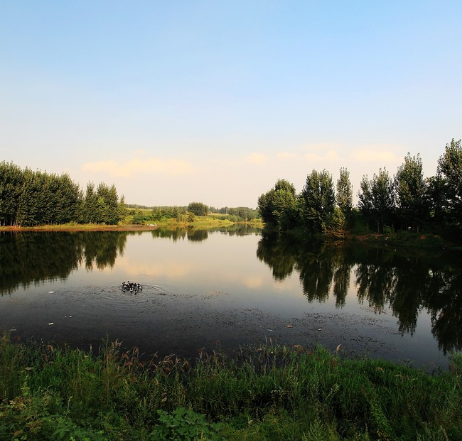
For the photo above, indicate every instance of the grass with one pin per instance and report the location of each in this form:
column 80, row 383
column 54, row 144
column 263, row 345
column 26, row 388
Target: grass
column 265, row 393
column 202, row 222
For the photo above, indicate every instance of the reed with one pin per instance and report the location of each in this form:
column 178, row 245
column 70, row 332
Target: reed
column 264, row 393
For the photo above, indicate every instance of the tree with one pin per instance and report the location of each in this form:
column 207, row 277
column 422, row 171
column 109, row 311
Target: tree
column 436, row 197
column 317, row 200
column 450, row 169
column 243, row 213
column 344, row 197
column 35, row 198
column 411, row 192
column 108, row 202
column 377, row 198
column 198, row 209
column 90, row 205
column 11, row 182
column 122, row 208
column 30, row 199
column 278, row 207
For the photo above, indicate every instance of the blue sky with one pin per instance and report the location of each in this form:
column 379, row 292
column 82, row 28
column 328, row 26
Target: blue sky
column 213, row 101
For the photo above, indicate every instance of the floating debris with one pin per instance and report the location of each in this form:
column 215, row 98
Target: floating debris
column 51, row 292
column 319, row 329
column 289, row 326
column 51, row 323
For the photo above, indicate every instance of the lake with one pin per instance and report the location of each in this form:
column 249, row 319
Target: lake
column 230, row 288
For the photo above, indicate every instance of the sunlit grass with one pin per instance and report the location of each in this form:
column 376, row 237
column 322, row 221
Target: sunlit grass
column 212, row 221
column 266, row 392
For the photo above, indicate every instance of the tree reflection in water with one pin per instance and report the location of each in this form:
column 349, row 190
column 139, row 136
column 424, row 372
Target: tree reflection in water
column 199, row 235
column 385, row 278
column 27, row 257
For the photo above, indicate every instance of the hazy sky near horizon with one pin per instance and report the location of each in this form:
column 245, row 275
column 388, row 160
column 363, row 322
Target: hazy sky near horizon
column 213, row 101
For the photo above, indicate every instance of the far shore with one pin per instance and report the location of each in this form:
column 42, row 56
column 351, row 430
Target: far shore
column 125, row 227
column 402, row 239
column 83, row 227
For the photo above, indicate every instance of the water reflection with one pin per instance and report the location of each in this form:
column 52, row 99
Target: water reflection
column 380, row 278
column 383, row 277
column 27, row 258
column 33, row 257
column 200, row 234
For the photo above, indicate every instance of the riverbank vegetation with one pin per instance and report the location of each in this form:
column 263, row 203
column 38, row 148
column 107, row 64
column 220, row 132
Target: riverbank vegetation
column 195, row 213
column 30, row 198
column 37, row 199
column 268, row 392
column 386, row 204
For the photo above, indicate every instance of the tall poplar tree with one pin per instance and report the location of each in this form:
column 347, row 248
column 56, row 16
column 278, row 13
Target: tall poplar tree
column 411, row 190
column 450, row 169
column 377, row 199
column 90, row 205
column 11, row 182
column 344, row 197
column 317, row 200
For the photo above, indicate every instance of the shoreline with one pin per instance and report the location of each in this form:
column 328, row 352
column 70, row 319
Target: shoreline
column 420, row 240
column 269, row 392
column 83, row 227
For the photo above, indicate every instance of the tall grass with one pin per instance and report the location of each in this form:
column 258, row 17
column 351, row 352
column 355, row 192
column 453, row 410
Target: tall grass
column 264, row 393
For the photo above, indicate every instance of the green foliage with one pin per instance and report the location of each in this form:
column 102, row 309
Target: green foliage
column 11, row 183
column 407, row 201
column 336, row 224
column 278, row 207
column 138, row 218
column 450, row 170
column 185, row 425
column 344, row 196
column 159, row 214
column 317, row 200
column 411, row 192
column 377, row 199
column 243, row 214
column 198, row 209
column 269, row 392
column 436, row 198
column 29, row 198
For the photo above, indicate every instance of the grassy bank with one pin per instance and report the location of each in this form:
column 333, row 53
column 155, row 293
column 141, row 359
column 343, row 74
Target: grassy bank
column 200, row 222
column 266, row 393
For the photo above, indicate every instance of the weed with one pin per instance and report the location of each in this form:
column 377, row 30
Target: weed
column 267, row 392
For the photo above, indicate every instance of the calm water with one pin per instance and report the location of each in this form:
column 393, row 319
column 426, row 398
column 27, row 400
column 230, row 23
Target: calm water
column 229, row 288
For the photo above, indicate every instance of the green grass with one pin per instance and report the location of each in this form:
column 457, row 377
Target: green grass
column 265, row 393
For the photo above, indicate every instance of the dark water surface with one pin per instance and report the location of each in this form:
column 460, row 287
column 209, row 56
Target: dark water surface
column 229, row 288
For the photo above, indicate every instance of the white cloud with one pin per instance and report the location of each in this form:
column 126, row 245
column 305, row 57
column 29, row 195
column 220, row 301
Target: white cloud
column 137, row 166
column 286, row 155
column 375, row 155
column 329, row 156
column 256, row 158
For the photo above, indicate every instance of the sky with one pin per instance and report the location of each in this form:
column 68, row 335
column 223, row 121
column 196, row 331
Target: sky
column 213, row 101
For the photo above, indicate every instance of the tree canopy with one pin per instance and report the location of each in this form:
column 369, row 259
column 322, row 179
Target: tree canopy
column 406, row 200
column 30, row 198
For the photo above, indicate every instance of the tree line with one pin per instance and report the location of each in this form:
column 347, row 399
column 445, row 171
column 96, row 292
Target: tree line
column 406, row 200
column 30, row 198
